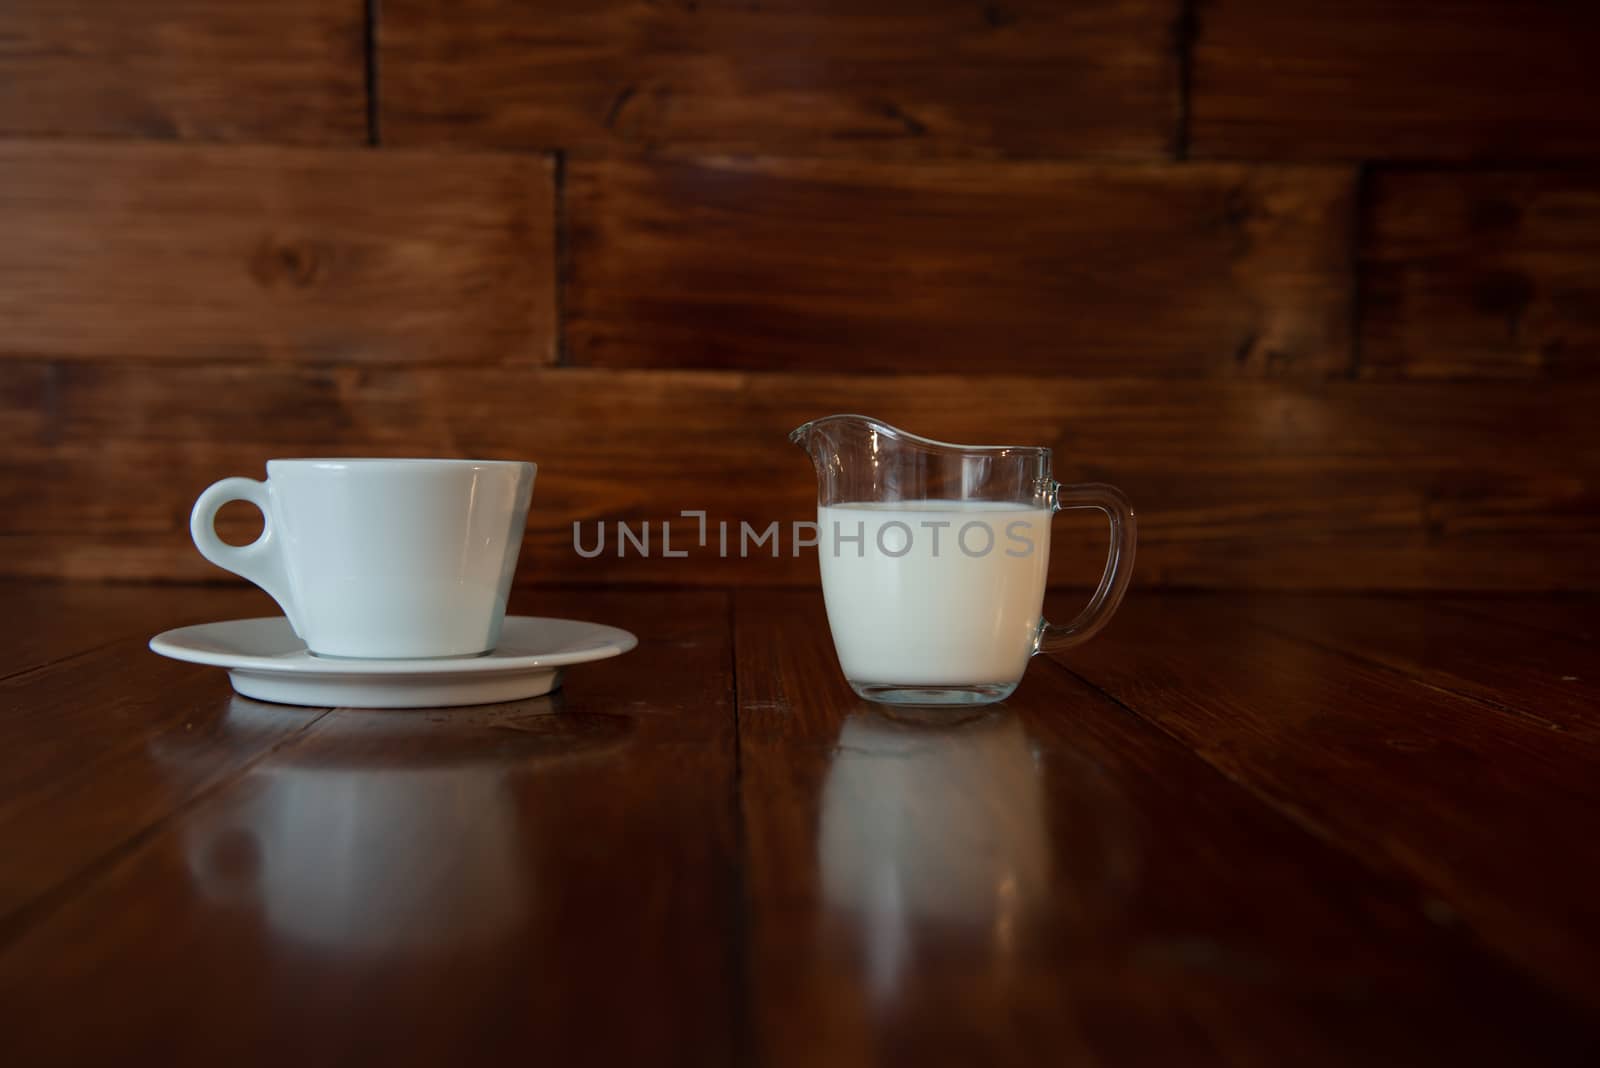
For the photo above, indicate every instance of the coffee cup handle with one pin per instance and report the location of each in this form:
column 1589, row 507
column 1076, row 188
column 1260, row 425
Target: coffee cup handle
column 1119, row 563
column 260, row 562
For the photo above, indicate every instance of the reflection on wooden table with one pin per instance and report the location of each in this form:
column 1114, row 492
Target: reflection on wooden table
column 1233, row 829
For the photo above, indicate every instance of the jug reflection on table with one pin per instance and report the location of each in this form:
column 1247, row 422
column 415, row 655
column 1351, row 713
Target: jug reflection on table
column 938, row 831
column 934, row 559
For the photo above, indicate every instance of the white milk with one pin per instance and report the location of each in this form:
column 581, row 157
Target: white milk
column 963, row 617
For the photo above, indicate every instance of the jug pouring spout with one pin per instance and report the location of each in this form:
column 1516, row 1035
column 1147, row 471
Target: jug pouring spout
column 859, row 458
column 821, row 437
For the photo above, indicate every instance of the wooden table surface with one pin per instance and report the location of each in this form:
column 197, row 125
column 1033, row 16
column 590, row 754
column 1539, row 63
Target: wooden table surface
column 1263, row 831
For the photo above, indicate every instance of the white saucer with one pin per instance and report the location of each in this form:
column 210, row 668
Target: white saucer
column 265, row 660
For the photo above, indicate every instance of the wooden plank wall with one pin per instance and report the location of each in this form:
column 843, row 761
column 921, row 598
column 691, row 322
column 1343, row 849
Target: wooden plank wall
column 1315, row 282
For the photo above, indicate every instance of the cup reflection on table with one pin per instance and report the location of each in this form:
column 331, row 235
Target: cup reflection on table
column 363, row 856
column 936, row 831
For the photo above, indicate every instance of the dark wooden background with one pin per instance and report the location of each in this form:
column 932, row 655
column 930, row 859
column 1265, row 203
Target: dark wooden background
column 1316, row 281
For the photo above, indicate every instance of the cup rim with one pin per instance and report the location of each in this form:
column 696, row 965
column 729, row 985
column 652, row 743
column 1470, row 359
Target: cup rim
column 339, row 463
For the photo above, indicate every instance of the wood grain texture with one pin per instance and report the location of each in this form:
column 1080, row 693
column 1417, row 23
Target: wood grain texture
column 269, row 255
column 1551, row 679
column 626, row 872
column 1467, row 800
column 1576, row 618
column 1489, row 275
column 52, row 621
column 1268, row 485
column 405, row 886
column 1061, row 882
column 241, row 70
column 1053, row 268
column 1023, row 77
column 1351, row 79
column 84, row 773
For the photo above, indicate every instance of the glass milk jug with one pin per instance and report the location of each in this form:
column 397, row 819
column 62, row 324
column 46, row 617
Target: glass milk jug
column 934, row 558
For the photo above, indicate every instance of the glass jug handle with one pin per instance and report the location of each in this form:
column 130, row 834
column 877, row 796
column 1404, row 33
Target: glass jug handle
column 1119, row 563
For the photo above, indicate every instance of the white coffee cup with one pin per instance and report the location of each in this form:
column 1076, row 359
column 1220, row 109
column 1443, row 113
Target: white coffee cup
column 392, row 559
